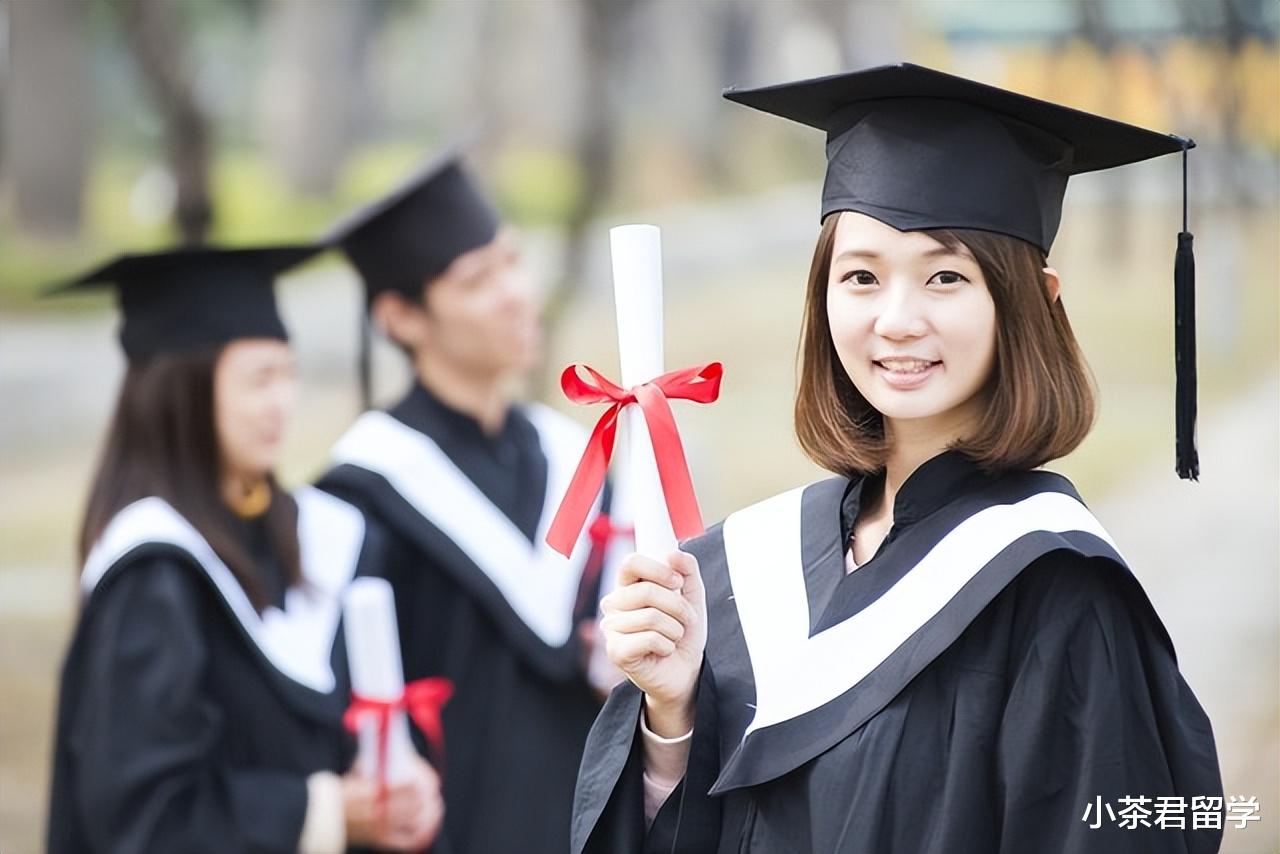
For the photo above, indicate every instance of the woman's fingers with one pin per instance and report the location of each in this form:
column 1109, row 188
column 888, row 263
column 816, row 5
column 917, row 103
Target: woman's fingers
column 637, row 567
column 404, row 815
column 628, row 650
column 412, row 810
column 655, row 608
column 686, row 565
column 430, row 779
column 413, row 833
column 646, row 594
column 644, row 619
column 360, row 799
column 402, row 803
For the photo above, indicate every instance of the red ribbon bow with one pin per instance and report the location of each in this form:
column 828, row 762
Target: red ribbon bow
column 422, row 700
column 699, row 384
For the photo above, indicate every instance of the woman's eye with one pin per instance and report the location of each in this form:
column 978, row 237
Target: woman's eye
column 859, row 277
column 947, row 277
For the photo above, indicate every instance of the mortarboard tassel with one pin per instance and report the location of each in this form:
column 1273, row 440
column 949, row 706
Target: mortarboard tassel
column 365, row 368
column 1184, row 340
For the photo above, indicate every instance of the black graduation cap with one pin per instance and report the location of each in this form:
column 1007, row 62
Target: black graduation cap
column 919, row 149
column 194, row 298
column 412, row 234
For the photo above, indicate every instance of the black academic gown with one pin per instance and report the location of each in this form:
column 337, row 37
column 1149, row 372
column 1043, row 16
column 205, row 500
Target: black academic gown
column 1016, row 673
column 483, row 601
column 187, row 722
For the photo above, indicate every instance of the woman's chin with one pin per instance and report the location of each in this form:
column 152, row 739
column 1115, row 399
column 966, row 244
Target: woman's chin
column 918, row 409
column 259, row 468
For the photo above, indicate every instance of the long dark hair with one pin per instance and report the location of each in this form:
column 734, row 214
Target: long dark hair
column 163, row 442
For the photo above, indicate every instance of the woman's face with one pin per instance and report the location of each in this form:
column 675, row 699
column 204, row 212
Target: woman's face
column 913, row 324
column 254, row 390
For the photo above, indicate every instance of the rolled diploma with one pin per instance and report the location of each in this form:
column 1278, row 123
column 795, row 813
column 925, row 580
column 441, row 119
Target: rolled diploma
column 373, row 653
column 637, row 289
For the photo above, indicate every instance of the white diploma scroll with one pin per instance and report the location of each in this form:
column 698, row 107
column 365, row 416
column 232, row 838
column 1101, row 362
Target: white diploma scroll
column 637, row 289
column 373, row 653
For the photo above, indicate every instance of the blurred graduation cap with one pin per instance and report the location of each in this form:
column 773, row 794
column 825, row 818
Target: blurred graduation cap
column 919, row 149
column 402, row 241
column 193, row 298
column 411, row 235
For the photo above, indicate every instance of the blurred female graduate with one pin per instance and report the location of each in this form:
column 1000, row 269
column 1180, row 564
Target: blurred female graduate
column 940, row 649
column 201, row 700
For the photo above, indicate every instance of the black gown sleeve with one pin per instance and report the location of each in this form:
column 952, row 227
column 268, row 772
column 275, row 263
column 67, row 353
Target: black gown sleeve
column 608, row 809
column 1097, row 711
column 144, row 736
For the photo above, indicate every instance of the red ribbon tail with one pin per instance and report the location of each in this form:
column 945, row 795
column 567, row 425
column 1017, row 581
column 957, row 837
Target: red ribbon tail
column 354, row 716
column 424, row 700
column 384, row 732
column 673, row 468
column 587, row 479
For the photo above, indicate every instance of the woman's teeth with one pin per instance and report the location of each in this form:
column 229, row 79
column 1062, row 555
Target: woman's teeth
column 905, row 366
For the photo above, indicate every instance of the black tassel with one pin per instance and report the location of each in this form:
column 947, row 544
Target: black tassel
column 365, row 368
column 1184, row 341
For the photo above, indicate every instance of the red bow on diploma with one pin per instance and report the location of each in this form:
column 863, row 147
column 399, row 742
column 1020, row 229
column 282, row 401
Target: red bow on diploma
column 700, row 384
column 422, row 700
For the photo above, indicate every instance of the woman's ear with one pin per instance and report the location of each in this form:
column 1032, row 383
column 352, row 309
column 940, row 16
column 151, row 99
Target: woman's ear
column 1052, row 282
column 402, row 322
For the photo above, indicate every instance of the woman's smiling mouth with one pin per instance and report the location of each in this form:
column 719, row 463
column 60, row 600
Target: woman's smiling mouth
column 905, row 372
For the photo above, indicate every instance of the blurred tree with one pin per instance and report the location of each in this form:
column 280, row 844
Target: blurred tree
column 1233, row 176
column 605, row 49
column 1237, row 15
column 48, row 122
column 314, row 85
column 874, row 33
column 866, row 32
column 734, row 65
column 158, row 39
column 1094, row 28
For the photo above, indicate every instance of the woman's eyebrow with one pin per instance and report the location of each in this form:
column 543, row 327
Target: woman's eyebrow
column 944, row 252
column 858, row 253
column 936, row 252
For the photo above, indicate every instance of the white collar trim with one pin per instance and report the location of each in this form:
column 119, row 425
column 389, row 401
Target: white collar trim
column 795, row 673
column 539, row 584
column 297, row 640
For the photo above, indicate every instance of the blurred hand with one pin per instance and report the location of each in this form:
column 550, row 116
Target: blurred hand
column 601, row 673
column 655, row 630
column 407, row 819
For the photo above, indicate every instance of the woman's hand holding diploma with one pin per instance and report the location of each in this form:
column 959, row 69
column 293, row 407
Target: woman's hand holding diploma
column 655, row 630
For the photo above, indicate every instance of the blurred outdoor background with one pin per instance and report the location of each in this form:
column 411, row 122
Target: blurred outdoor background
column 135, row 124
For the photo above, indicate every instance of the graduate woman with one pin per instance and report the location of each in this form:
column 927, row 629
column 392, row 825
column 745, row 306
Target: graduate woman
column 201, row 703
column 940, row 649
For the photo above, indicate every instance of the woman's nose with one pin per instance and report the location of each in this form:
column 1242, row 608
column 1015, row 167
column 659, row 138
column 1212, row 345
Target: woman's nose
column 900, row 314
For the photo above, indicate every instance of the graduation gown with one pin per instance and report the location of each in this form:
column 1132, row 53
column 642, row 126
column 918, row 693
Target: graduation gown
column 188, row 721
column 974, row 687
column 482, row 600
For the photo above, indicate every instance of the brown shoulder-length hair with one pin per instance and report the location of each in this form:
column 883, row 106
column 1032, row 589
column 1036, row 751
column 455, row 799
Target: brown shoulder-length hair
column 1041, row 394
column 163, row 442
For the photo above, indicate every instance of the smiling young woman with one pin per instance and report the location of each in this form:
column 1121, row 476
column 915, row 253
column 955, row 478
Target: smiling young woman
column 939, row 649
column 1037, row 401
